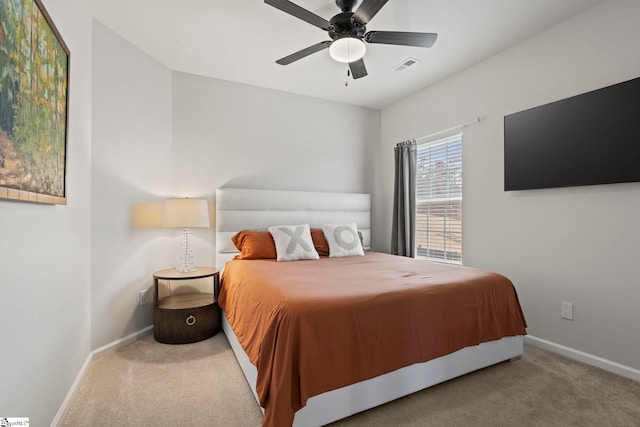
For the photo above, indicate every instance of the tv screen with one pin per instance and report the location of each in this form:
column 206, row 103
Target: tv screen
column 589, row 139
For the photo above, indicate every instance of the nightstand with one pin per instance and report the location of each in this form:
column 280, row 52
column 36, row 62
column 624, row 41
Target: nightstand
column 188, row 317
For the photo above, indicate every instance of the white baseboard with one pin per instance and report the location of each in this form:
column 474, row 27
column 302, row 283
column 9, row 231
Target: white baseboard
column 108, row 348
column 63, row 408
column 581, row 356
column 92, row 356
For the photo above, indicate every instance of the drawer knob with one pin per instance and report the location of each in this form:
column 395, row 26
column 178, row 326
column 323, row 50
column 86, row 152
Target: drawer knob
column 191, row 320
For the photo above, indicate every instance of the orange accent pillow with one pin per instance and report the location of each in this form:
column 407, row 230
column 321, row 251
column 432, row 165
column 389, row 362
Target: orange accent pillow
column 254, row 245
column 319, row 242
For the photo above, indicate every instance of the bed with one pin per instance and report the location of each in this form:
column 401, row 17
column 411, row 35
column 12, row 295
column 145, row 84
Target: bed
column 318, row 363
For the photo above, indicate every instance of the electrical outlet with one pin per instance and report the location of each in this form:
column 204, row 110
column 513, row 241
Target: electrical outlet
column 144, row 297
column 566, row 310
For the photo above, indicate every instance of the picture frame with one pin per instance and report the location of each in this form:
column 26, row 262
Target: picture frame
column 34, row 99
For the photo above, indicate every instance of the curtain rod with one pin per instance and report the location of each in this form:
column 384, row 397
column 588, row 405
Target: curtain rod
column 459, row 127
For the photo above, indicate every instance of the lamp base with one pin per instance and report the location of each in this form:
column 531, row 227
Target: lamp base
column 186, row 256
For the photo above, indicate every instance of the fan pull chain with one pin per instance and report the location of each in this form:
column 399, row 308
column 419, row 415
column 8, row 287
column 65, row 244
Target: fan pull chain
column 346, row 82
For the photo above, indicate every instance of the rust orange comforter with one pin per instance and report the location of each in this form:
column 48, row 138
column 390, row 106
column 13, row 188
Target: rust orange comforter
column 318, row 325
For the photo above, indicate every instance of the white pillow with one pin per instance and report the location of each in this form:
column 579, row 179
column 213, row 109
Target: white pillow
column 343, row 240
column 293, row 242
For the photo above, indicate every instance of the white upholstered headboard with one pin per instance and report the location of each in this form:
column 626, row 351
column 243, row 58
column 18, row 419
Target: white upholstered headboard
column 247, row 209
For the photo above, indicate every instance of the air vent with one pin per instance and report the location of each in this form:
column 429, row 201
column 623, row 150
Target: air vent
column 406, row 64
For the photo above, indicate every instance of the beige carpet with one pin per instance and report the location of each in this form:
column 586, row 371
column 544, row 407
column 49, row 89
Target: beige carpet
column 151, row 384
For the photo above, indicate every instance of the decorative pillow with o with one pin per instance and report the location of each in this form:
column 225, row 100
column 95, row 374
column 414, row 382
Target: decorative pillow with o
column 343, row 240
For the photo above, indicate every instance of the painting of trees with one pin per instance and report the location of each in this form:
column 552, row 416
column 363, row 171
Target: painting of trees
column 33, row 103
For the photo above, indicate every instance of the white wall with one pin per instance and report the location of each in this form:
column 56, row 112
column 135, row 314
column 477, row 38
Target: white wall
column 235, row 135
column 573, row 244
column 131, row 165
column 158, row 134
column 45, row 258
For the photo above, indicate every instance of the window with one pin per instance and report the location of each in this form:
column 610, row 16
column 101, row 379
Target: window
column 439, row 200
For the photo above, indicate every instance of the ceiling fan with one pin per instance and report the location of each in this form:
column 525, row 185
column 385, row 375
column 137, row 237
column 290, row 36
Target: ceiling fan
column 348, row 33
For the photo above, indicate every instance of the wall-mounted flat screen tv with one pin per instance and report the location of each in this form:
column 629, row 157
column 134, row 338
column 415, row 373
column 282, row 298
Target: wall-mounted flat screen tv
column 589, row 139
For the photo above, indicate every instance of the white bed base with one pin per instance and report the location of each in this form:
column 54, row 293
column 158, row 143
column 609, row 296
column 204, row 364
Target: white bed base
column 337, row 404
column 238, row 209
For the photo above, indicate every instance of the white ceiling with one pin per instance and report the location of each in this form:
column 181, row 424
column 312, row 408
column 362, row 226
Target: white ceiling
column 239, row 40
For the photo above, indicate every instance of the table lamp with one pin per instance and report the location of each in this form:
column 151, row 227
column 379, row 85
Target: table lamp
column 186, row 214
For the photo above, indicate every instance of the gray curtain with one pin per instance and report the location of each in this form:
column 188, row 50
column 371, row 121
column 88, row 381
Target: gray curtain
column 403, row 232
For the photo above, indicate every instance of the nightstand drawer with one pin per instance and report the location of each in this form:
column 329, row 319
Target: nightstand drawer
column 186, row 325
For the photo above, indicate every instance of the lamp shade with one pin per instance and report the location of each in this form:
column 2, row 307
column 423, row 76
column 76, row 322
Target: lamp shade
column 347, row 49
column 186, row 213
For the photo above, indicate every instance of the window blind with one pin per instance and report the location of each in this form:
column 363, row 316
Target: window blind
column 439, row 199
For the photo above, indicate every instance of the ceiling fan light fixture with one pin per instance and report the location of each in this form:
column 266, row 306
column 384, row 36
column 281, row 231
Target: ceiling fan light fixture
column 347, row 49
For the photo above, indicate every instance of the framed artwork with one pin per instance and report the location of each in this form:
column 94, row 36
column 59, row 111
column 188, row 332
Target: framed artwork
column 34, row 91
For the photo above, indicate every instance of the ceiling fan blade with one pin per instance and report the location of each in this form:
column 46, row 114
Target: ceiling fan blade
column 301, row 13
column 401, row 38
column 304, row 52
column 367, row 10
column 358, row 69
